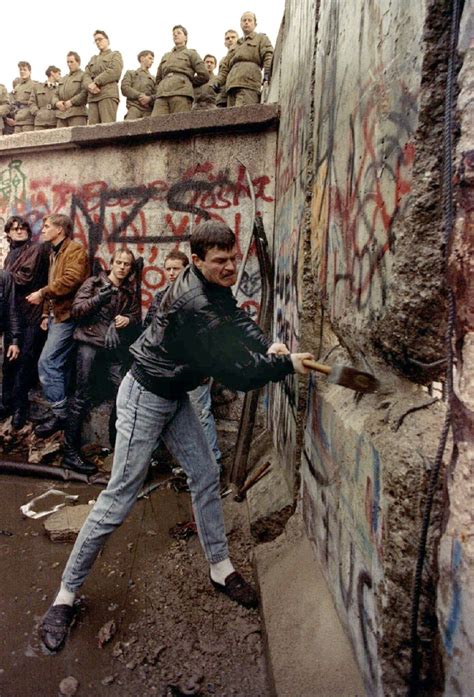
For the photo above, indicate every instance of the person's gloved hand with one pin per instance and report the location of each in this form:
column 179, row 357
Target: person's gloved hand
column 216, row 88
column 112, row 339
column 105, row 295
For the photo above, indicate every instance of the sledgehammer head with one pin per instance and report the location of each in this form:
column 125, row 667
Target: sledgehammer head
column 353, row 379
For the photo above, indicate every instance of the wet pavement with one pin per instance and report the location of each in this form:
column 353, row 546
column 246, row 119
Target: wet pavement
column 30, row 568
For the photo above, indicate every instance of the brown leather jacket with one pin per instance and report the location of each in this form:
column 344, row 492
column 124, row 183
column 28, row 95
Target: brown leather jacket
column 93, row 321
column 67, row 271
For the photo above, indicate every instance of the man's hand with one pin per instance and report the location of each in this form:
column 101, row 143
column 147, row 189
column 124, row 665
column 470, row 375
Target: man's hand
column 44, row 324
column 60, row 106
column 121, row 321
column 112, row 339
column 298, row 365
column 10, row 121
column 35, row 298
column 13, row 352
column 144, row 99
column 278, row 349
column 93, row 88
column 105, row 294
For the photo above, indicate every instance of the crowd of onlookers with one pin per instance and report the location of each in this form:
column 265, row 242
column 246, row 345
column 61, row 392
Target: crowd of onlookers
column 183, row 81
column 55, row 317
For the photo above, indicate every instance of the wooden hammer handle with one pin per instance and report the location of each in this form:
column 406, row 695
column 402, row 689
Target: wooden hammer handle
column 320, row 367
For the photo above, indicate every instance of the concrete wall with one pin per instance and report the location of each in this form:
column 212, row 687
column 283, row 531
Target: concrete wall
column 455, row 601
column 145, row 187
column 360, row 260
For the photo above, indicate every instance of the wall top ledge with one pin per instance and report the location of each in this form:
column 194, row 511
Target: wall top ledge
column 257, row 117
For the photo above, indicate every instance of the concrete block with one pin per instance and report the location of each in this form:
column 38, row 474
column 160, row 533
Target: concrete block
column 64, row 525
column 307, row 649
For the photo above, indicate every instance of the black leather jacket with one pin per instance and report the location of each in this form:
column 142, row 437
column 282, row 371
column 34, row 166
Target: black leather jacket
column 198, row 331
column 9, row 320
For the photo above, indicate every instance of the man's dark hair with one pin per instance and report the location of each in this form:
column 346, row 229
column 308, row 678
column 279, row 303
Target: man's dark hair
column 100, row 31
column 60, row 220
column 24, row 64
column 180, row 26
column 75, row 55
column 144, row 53
column 179, row 256
column 20, row 221
column 51, row 69
column 211, row 234
column 209, row 55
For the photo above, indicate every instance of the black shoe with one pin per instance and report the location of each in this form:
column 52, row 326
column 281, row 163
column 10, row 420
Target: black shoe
column 237, row 589
column 72, row 460
column 55, row 625
column 19, row 418
column 50, row 426
column 4, row 412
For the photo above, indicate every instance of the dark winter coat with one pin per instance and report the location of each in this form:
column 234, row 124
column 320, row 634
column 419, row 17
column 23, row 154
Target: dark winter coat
column 9, row 319
column 28, row 266
column 94, row 321
column 198, row 331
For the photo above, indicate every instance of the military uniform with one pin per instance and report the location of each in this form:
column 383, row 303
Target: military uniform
column 241, row 70
column 104, row 70
column 204, row 95
column 24, row 119
column 4, row 106
column 135, row 83
column 73, row 88
column 42, row 106
column 179, row 72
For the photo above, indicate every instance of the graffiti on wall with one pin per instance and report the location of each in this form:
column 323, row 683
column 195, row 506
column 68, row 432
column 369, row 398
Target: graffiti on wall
column 291, row 185
column 150, row 218
column 344, row 520
column 363, row 161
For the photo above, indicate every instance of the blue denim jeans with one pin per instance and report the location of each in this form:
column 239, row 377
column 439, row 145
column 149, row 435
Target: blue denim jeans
column 54, row 364
column 142, row 418
column 202, row 402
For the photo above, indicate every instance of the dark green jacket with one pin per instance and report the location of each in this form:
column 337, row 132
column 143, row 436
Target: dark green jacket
column 243, row 65
column 180, row 70
column 42, row 104
column 105, row 70
column 135, row 83
column 73, row 87
column 21, row 95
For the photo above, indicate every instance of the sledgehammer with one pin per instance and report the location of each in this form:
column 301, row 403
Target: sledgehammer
column 345, row 376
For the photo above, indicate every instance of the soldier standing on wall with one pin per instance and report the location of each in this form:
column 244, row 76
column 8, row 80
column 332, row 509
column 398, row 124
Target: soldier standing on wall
column 23, row 119
column 180, row 70
column 204, row 95
column 42, row 100
column 241, row 69
column 71, row 97
column 138, row 86
column 104, row 71
column 230, row 40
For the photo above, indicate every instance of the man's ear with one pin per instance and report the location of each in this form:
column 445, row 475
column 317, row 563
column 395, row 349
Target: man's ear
column 196, row 260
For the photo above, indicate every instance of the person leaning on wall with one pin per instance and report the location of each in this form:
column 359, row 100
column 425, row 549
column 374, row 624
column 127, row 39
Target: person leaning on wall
column 104, row 71
column 106, row 309
column 180, row 70
column 71, row 97
column 27, row 262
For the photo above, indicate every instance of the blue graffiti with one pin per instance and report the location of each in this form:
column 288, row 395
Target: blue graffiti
column 456, row 602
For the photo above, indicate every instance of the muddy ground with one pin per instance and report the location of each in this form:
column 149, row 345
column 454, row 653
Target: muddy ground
column 174, row 634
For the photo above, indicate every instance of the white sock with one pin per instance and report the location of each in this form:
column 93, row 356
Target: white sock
column 64, row 597
column 221, row 570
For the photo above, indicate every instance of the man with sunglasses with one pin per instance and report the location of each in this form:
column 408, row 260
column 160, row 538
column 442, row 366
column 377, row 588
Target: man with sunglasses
column 27, row 264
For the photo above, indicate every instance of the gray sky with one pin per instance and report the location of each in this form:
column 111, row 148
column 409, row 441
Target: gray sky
column 42, row 34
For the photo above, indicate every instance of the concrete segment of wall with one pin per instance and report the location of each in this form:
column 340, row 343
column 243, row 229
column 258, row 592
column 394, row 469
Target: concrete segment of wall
column 361, row 89
column 455, row 603
column 148, row 189
column 376, row 242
